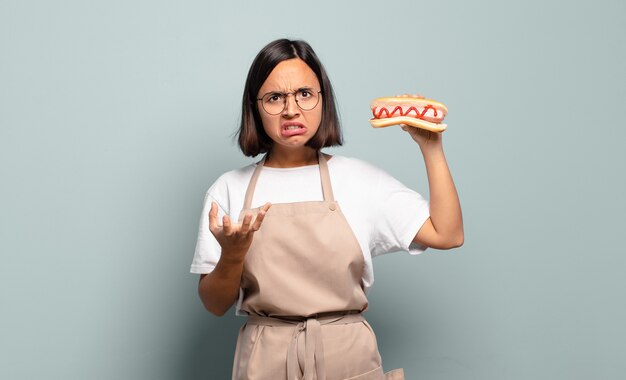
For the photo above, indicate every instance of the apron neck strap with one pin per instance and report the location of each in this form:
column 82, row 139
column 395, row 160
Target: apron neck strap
column 327, row 189
column 324, row 177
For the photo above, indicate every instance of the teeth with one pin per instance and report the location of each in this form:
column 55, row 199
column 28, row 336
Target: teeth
column 292, row 127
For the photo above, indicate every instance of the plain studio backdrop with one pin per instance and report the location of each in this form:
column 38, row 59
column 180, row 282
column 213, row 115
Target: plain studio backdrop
column 116, row 117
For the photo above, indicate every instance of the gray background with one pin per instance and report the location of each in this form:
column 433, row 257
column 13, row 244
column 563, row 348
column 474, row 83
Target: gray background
column 116, row 116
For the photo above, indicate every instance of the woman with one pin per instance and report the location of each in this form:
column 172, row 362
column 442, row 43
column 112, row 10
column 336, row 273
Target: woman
column 300, row 266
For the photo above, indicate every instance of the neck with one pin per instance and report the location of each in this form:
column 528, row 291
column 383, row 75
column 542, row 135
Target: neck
column 280, row 158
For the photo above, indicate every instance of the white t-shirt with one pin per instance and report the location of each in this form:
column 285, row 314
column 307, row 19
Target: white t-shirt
column 384, row 214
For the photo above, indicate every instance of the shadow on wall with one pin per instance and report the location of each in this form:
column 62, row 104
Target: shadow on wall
column 211, row 347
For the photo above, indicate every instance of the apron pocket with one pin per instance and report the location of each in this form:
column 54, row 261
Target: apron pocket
column 246, row 343
column 350, row 351
column 262, row 353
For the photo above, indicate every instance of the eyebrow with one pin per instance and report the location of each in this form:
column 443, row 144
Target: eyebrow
column 280, row 92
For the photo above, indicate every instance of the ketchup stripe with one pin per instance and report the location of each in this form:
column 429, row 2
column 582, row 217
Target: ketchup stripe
column 382, row 110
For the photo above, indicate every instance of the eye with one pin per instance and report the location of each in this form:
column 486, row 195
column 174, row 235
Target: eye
column 274, row 98
column 305, row 93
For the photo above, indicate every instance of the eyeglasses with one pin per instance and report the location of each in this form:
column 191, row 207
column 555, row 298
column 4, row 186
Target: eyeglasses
column 275, row 102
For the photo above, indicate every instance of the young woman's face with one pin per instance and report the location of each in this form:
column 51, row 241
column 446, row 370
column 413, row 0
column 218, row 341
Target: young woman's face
column 292, row 127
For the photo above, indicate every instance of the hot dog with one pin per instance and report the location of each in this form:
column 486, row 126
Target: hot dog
column 414, row 110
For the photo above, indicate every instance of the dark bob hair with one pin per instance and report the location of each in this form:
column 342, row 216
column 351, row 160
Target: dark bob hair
column 251, row 135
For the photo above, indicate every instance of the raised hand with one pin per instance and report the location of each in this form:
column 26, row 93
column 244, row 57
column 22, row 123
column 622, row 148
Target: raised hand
column 235, row 238
column 424, row 138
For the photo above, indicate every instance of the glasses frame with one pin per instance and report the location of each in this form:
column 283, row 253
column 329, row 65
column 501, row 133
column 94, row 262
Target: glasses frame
column 285, row 100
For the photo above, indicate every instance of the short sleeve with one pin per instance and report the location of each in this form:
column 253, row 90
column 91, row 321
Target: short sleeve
column 399, row 214
column 208, row 250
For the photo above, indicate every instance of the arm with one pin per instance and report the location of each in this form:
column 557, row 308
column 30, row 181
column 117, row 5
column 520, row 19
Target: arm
column 444, row 228
column 219, row 289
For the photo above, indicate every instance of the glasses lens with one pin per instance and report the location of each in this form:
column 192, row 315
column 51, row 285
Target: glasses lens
column 274, row 103
column 307, row 99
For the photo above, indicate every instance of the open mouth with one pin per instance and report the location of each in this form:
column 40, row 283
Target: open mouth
column 292, row 129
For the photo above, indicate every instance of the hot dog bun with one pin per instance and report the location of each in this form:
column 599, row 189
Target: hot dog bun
column 415, row 111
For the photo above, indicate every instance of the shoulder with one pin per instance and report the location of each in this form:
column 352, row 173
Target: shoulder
column 360, row 179
column 231, row 181
column 376, row 180
column 358, row 172
column 354, row 166
column 235, row 177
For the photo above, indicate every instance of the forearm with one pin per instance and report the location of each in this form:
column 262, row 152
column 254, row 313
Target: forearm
column 445, row 208
column 219, row 289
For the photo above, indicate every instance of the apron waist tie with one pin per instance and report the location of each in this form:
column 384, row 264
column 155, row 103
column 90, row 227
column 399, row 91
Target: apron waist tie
column 314, row 349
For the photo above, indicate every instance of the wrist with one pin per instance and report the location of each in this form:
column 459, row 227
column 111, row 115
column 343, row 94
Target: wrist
column 431, row 149
column 233, row 257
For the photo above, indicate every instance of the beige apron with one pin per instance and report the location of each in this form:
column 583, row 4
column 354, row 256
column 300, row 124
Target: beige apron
column 301, row 286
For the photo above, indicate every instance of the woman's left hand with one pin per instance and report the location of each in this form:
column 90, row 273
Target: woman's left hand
column 426, row 139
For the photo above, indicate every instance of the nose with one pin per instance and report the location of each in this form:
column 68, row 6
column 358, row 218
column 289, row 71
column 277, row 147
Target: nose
column 291, row 107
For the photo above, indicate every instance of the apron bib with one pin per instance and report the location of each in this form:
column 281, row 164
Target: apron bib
column 301, row 285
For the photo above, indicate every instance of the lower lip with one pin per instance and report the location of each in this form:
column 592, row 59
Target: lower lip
column 293, row 132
